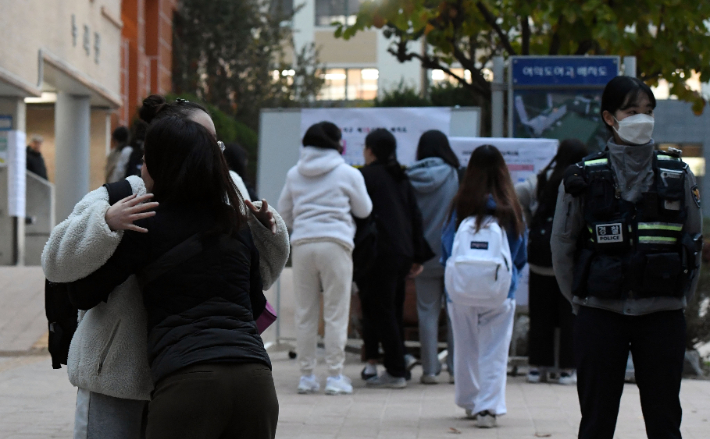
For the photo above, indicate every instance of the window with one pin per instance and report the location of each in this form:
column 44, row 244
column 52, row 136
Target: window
column 337, row 11
column 349, row 84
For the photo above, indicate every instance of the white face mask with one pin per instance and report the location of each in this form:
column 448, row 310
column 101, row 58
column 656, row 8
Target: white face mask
column 636, row 129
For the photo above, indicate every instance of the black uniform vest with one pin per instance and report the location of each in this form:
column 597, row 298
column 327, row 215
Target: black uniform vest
column 633, row 250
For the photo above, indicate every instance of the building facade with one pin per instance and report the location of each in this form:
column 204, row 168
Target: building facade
column 356, row 69
column 72, row 71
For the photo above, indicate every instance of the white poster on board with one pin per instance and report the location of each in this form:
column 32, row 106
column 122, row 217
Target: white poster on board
column 407, row 124
column 17, row 170
column 523, row 156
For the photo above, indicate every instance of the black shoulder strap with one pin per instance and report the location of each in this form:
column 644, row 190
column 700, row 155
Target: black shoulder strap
column 117, row 191
column 187, row 249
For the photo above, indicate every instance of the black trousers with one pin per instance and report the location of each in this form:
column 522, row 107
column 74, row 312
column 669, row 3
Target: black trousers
column 549, row 310
column 215, row 401
column 382, row 301
column 602, row 342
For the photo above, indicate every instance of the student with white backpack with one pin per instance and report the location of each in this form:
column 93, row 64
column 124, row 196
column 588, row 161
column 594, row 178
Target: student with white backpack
column 483, row 249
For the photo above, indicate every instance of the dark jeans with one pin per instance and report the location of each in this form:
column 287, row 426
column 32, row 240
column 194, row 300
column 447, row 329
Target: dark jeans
column 215, row 401
column 382, row 301
column 602, row 342
column 549, row 310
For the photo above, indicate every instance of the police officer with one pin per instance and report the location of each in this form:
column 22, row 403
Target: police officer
column 625, row 248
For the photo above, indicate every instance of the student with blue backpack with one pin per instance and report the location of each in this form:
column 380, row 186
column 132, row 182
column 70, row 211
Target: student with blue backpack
column 483, row 249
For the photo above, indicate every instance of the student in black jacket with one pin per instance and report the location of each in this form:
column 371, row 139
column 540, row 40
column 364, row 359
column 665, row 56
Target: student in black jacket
column 401, row 251
column 211, row 372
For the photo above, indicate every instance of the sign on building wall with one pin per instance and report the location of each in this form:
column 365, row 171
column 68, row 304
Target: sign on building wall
column 559, row 97
column 407, row 125
column 524, row 157
column 5, row 127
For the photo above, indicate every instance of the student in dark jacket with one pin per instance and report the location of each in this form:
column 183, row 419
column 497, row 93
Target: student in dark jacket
column 401, row 251
column 35, row 161
column 211, row 372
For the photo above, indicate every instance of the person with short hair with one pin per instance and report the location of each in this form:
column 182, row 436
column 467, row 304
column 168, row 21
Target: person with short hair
column 321, row 195
column 35, row 161
column 119, row 142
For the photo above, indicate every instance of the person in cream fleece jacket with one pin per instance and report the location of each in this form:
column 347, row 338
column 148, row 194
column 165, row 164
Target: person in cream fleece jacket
column 108, row 355
column 321, row 195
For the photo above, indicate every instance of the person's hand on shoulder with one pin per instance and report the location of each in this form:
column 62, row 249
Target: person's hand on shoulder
column 262, row 214
column 124, row 213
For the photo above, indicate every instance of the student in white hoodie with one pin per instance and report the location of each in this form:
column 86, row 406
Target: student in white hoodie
column 318, row 201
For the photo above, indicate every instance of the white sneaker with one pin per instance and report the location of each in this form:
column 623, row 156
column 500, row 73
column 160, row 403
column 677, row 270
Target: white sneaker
column 308, row 384
column 470, row 414
column 387, row 381
column 568, row 378
column 340, row 385
column 534, row 376
column 485, row 419
column 410, row 361
column 429, row 379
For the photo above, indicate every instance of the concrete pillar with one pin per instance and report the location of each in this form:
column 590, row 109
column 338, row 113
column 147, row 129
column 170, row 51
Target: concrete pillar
column 12, row 229
column 71, row 124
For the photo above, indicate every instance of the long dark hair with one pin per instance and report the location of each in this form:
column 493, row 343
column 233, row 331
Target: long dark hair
column 623, row 92
column 434, row 143
column 189, row 169
column 383, row 145
column 487, row 174
column 569, row 152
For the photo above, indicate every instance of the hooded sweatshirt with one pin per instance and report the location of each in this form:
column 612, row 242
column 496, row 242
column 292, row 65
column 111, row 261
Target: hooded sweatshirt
column 320, row 197
column 435, row 184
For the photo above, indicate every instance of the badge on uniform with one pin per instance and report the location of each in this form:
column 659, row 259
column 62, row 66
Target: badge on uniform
column 696, row 195
column 609, row 233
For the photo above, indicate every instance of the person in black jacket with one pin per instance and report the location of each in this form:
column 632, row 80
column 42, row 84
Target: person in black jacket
column 401, row 251
column 35, row 161
column 211, row 372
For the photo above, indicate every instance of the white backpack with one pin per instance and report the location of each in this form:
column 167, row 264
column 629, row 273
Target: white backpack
column 480, row 269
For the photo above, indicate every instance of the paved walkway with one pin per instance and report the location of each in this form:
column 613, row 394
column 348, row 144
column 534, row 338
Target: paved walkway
column 38, row 402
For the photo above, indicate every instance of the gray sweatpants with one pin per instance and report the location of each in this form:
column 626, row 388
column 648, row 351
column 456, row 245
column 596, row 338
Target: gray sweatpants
column 105, row 417
column 430, row 298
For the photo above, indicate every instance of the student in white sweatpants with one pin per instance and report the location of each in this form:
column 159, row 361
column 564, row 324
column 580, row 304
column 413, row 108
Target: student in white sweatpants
column 482, row 335
column 481, row 342
column 321, row 195
column 328, row 266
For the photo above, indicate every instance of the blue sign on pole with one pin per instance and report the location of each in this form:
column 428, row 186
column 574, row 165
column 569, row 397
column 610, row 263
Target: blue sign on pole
column 582, row 71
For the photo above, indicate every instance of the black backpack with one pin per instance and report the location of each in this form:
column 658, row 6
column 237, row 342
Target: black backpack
column 365, row 251
column 540, row 231
column 61, row 313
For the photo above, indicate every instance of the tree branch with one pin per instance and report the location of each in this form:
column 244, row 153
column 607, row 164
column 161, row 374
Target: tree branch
column 491, row 20
column 555, row 43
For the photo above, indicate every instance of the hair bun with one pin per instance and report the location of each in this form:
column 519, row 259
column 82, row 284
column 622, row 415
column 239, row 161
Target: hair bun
column 152, row 105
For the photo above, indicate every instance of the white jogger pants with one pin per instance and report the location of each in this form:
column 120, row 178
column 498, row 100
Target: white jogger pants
column 481, row 343
column 325, row 267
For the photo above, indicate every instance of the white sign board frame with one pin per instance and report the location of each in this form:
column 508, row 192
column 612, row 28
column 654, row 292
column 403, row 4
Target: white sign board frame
column 280, row 139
